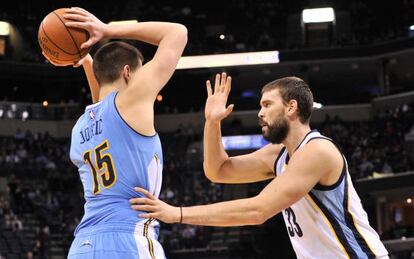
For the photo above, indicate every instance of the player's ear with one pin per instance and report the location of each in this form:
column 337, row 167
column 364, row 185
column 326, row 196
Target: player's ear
column 292, row 106
column 126, row 73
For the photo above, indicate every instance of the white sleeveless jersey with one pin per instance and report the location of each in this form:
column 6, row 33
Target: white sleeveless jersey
column 329, row 222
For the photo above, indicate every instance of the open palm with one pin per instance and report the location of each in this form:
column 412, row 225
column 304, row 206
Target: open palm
column 216, row 109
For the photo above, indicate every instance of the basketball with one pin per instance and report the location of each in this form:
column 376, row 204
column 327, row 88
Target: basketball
column 60, row 43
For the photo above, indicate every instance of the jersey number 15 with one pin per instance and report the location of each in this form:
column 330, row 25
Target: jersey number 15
column 103, row 170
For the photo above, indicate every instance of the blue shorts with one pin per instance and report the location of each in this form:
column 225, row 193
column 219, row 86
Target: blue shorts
column 115, row 241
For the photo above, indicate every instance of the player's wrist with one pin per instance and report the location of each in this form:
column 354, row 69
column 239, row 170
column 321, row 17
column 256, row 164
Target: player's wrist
column 108, row 30
column 179, row 217
column 213, row 122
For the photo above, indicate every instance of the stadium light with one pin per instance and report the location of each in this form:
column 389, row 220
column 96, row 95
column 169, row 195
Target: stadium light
column 25, row 115
column 412, row 28
column 124, row 22
column 4, row 28
column 317, row 105
column 318, row 15
column 225, row 60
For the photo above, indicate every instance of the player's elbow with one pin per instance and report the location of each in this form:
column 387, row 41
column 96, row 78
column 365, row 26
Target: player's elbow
column 259, row 214
column 211, row 174
column 258, row 218
column 182, row 33
column 262, row 209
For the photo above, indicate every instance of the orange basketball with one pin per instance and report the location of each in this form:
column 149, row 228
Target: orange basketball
column 60, row 43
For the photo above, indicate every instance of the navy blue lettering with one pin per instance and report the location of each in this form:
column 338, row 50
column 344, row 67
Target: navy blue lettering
column 83, row 138
column 91, row 130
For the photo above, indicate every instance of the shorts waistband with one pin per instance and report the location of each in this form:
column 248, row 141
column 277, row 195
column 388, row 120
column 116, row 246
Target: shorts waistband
column 143, row 228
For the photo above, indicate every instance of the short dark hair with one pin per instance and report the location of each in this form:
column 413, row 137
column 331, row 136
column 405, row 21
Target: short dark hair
column 294, row 88
column 111, row 58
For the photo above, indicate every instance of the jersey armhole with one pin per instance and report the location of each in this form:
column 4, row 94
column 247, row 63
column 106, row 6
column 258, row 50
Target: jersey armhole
column 277, row 159
column 321, row 187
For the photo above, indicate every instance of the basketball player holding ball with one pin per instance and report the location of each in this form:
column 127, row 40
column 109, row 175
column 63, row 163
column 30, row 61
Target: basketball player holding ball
column 114, row 143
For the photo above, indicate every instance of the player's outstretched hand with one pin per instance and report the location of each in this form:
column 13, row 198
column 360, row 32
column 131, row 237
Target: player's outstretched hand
column 82, row 19
column 155, row 208
column 215, row 109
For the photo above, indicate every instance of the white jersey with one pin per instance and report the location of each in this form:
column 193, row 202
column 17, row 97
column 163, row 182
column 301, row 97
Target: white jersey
column 329, row 222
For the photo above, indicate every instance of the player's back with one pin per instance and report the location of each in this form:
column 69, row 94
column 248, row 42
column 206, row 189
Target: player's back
column 112, row 159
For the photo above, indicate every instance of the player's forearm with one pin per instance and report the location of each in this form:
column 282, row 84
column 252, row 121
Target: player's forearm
column 249, row 211
column 150, row 32
column 90, row 76
column 214, row 153
column 225, row 214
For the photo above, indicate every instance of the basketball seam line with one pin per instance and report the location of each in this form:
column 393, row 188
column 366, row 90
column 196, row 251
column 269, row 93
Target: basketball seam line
column 70, row 34
column 44, row 31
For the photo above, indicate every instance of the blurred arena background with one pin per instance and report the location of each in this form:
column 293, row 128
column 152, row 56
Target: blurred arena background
column 359, row 66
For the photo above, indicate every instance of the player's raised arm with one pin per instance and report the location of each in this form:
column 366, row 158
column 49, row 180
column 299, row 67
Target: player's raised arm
column 218, row 166
column 87, row 64
column 170, row 38
column 138, row 84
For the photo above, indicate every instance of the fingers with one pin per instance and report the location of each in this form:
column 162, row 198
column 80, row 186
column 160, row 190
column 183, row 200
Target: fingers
column 77, row 10
column 217, row 83
column 223, row 81
column 147, row 215
column 227, row 87
column 87, row 44
column 82, row 61
column 77, row 64
column 76, row 17
column 141, row 201
column 149, row 208
column 81, row 10
column 81, row 19
column 209, row 90
column 78, row 25
column 145, row 192
column 229, row 109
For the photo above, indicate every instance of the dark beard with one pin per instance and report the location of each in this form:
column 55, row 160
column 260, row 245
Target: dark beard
column 276, row 133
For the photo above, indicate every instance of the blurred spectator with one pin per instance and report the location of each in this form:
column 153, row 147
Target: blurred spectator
column 15, row 223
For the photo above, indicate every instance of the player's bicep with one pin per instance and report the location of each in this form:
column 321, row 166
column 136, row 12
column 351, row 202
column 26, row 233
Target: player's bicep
column 158, row 71
column 303, row 172
column 154, row 75
column 253, row 167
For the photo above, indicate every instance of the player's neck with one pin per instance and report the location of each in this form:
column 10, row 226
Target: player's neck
column 296, row 134
column 105, row 90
